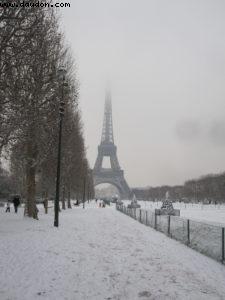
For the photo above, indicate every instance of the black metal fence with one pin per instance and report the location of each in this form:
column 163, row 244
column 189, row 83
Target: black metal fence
column 203, row 237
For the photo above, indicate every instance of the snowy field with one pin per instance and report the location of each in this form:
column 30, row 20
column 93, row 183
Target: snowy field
column 207, row 213
column 96, row 254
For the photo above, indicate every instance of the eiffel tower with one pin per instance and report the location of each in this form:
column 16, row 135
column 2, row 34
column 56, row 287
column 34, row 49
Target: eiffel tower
column 107, row 148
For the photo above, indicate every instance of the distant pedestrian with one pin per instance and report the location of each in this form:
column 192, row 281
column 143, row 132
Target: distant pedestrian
column 16, row 203
column 36, row 210
column 7, row 207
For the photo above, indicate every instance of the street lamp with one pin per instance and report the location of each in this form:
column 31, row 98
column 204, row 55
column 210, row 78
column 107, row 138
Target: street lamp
column 62, row 73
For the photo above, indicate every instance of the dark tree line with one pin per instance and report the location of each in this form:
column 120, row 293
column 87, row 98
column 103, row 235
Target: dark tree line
column 32, row 50
column 208, row 189
column 6, row 186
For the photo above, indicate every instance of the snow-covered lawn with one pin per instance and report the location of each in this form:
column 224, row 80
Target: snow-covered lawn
column 206, row 213
column 96, row 254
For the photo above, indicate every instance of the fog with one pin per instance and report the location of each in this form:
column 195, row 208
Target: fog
column 165, row 64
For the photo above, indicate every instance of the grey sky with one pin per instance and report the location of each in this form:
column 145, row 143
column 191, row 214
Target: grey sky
column 165, row 61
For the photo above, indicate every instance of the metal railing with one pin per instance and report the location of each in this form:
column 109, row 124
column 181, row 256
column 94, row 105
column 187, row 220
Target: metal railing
column 205, row 238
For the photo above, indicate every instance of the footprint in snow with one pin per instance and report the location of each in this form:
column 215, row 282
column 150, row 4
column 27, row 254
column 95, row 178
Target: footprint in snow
column 144, row 294
column 40, row 293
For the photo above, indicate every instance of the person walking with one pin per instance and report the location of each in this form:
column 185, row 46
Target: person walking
column 16, row 203
column 7, row 207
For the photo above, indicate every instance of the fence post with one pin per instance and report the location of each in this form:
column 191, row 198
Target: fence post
column 223, row 246
column 155, row 221
column 188, row 232
column 168, row 225
column 146, row 217
column 140, row 216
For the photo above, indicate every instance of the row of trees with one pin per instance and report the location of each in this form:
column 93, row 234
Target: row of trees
column 32, row 50
column 6, row 186
column 208, row 189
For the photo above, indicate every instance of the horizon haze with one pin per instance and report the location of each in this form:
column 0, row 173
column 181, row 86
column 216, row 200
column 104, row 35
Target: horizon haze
column 165, row 64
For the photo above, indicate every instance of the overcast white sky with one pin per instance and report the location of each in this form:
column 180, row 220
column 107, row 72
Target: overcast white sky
column 165, row 61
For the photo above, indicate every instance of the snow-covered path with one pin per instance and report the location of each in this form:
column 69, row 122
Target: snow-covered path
column 100, row 254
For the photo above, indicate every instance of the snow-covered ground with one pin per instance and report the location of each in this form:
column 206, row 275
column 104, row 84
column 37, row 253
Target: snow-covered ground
column 205, row 232
column 206, row 213
column 99, row 253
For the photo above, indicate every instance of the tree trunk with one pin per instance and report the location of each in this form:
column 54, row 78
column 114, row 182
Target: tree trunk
column 63, row 198
column 69, row 200
column 46, row 202
column 30, row 204
column 84, row 192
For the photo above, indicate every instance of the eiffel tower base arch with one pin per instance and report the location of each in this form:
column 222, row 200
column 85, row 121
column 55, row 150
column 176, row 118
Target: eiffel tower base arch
column 115, row 178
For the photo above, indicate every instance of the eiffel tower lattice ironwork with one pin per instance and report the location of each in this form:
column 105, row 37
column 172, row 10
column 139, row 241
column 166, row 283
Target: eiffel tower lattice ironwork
column 107, row 148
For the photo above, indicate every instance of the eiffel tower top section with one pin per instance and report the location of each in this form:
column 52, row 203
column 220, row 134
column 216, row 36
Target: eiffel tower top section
column 107, row 130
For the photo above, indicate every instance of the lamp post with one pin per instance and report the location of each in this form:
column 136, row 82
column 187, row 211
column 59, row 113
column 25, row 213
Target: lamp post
column 62, row 72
